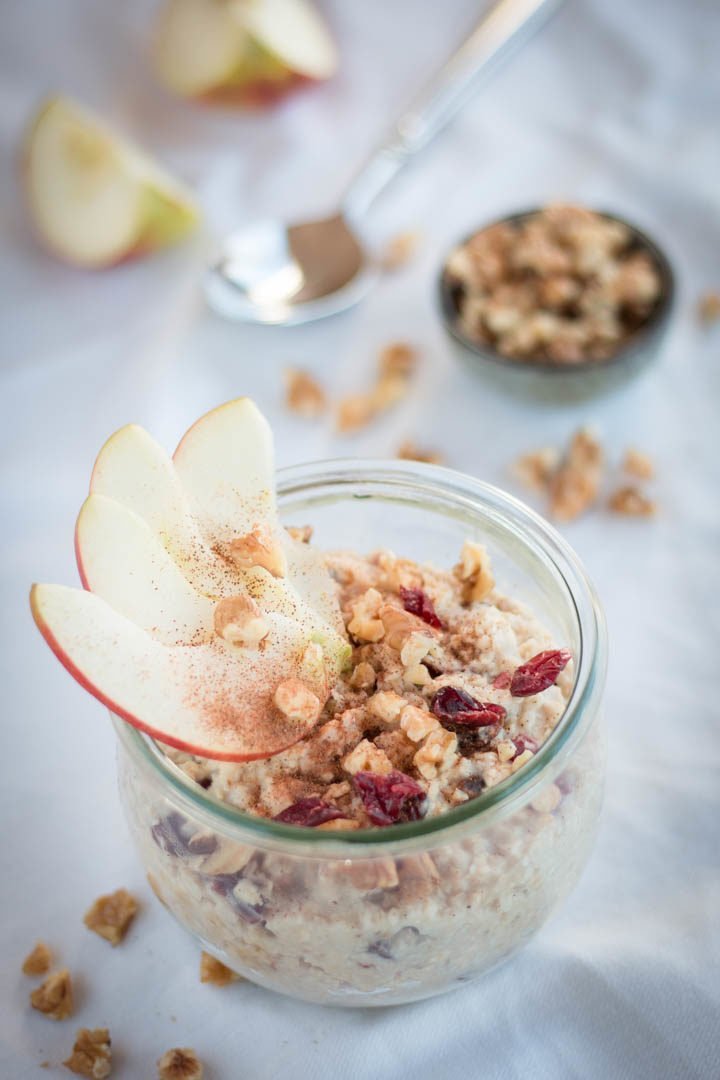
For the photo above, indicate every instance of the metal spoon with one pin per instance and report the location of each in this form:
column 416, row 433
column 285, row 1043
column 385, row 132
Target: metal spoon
column 270, row 272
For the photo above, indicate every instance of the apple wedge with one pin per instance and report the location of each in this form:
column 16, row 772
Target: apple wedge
column 188, row 696
column 96, row 199
column 246, row 52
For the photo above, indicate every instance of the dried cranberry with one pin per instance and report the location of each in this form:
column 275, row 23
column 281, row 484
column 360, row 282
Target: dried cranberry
column 417, row 602
column 310, row 812
column 539, row 672
column 502, row 681
column 390, row 798
column 453, row 706
column 523, row 743
column 168, row 834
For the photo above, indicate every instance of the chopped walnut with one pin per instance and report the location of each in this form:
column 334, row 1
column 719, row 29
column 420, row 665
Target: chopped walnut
column 631, row 502
column 363, row 677
column 366, row 757
column 259, row 548
column 399, row 625
column 437, row 753
column 576, row 484
column 301, row 533
column 474, row 572
column 398, row 359
column 400, row 250
column 536, row 469
column 417, row 675
column 637, row 464
column 410, row 451
column 110, row 916
column 366, row 624
column 389, row 389
column 38, row 961
column 54, row 997
column 216, row 973
column 180, row 1064
column 386, row 706
column 239, row 621
column 417, row 723
column 416, row 648
column 520, row 760
column 303, row 394
column 355, row 411
column 709, row 307
column 91, row 1055
column 297, row 701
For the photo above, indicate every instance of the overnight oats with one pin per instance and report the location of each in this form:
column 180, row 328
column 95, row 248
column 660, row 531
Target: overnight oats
column 360, row 744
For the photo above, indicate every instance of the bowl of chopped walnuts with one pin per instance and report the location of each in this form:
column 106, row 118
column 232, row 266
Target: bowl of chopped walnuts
column 560, row 291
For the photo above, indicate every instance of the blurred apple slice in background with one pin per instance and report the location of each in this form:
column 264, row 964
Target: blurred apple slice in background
column 95, row 198
column 247, row 52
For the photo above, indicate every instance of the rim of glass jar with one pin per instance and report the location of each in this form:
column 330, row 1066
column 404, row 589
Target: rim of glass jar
column 484, row 501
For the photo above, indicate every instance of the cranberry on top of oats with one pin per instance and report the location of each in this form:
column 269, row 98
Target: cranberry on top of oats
column 329, row 690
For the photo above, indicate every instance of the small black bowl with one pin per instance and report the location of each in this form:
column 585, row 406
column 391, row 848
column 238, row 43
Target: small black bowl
column 555, row 381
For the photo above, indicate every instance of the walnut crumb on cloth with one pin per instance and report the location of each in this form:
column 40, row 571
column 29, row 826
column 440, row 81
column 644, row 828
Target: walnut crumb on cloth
column 91, row 1054
column 111, row 915
column 54, row 997
column 215, row 972
column 181, row 1063
column 38, row 961
column 303, row 394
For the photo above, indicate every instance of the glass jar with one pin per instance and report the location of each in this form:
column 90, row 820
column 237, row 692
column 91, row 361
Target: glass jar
column 390, row 915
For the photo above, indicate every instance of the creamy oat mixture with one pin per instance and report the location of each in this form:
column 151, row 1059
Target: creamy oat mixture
column 431, row 711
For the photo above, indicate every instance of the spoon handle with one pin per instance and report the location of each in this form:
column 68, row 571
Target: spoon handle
column 505, row 26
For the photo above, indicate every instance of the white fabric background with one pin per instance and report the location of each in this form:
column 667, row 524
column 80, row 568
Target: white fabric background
column 617, row 104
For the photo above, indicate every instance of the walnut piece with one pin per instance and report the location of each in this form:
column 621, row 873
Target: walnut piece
column 365, row 624
column 239, row 621
column 54, row 997
column 259, row 548
column 398, row 359
column 637, row 464
column 575, row 486
column 709, row 306
column 363, row 677
column 355, row 412
column 91, row 1055
column 399, row 625
column 536, row 469
column 38, row 961
column 399, row 250
column 216, row 973
column 110, row 916
column 437, row 753
column 181, row 1063
column 417, row 723
column 474, row 572
column 410, row 451
column 303, row 394
column 631, row 502
column 297, row 701
column 367, row 757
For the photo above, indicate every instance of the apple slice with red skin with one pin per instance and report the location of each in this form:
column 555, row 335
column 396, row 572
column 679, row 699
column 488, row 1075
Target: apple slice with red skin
column 96, row 199
column 197, row 698
column 243, row 52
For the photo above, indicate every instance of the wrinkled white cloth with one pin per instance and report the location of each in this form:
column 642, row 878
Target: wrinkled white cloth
column 614, row 104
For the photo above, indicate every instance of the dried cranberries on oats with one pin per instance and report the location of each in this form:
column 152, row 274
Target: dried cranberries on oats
column 502, row 681
column 310, row 812
column 454, row 706
column 523, row 743
column 417, row 602
column 391, row 797
column 539, row 672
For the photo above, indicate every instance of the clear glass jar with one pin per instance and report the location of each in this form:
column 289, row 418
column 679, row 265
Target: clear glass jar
column 384, row 916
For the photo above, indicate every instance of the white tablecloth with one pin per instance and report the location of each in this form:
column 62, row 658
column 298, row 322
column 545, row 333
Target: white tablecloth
column 616, row 104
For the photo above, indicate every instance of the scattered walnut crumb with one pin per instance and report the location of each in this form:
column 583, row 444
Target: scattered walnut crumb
column 635, row 463
column 216, row 973
column 259, row 547
column 400, row 250
column 575, row 486
column 38, row 961
column 399, row 358
column 355, row 412
column 54, row 997
column 301, row 533
column 180, row 1064
column 91, row 1054
column 536, row 469
column 303, row 394
column 474, row 571
column 631, row 502
column 410, row 451
column 111, row 915
column 709, row 306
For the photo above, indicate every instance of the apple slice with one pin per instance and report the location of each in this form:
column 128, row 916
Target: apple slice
column 214, row 700
column 249, row 52
column 122, row 560
column 95, row 198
